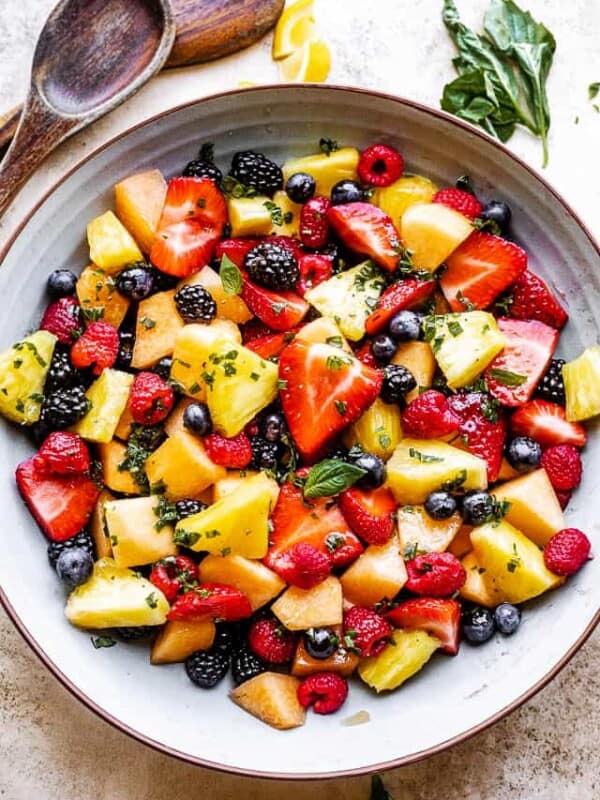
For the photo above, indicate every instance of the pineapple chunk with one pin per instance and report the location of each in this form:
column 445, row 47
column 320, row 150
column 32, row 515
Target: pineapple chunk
column 181, row 467
column 476, row 589
column 139, row 201
column 319, row 607
column 111, row 244
column 253, row 578
column 180, row 638
column 229, row 306
column 377, row 574
column 289, row 211
column 463, row 344
column 99, row 298
column 230, row 482
column 238, row 524
column 406, row 654
column 23, row 370
column 419, row 532
column 421, row 466
column 249, row 216
column 115, row 597
column 431, row 231
column 348, row 298
column 323, row 331
column 108, row 396
column 582, row 385
column 512, row 562
column 534, row 508
column 418, row 358
column 273, row 698
column 157, row 325
column 402, row 194
column 133, row 527
column 327, row 170
column 98, row 529
column 112, row 455
column 378, row 431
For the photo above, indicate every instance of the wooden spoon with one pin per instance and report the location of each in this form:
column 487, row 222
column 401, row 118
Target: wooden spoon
column 205, row 30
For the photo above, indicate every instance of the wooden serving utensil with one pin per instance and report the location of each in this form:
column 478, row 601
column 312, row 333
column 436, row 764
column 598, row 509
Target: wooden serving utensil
column 204, row 30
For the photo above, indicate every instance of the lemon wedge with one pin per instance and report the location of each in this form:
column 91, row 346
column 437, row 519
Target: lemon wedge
column 295, row 27
column 309, row 63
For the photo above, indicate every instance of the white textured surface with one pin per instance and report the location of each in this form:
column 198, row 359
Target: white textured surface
column 545, row 750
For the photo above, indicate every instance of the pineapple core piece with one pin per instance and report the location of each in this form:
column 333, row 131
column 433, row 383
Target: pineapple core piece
column 23, row 370
column 582, row 385
column 407, row 653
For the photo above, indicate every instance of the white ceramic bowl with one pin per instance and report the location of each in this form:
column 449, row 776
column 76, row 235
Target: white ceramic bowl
column 453, row 697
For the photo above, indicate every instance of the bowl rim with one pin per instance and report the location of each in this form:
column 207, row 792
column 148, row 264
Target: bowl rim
column 292, row 776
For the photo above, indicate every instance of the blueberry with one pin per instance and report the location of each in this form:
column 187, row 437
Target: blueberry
column 136, row 282
column 440, row 505
column 383, row 346
column 499, row 212
column 61, row 283
column 163, row 367
column 300, row 187
column 346, row 191
column 74, row 566
column 523, row 453
column 320, row 643
column 273, row 427
column 196, row 418
column 507, row 618
column 373, row 466
column 405, row 326
column 478, row 507
column 478, row 625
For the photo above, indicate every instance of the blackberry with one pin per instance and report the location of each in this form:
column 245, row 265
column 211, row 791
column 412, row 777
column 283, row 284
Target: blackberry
column 397, row 381
column 273, row 426
column 257, row 171
column 264, row 453
column 273, row 266
column 134, row 634
column 551, row 386
column 204, row 166
column 81, row 541
column 226, row 639
column 187, row 508
column 206, row 668
column 163, row 367
column 136, row 282
column 62, row 374
column 148, row 437
column 64, row 408
column 195, row 304
column 162, row 281
column 245, row 665
column 126, row 342
column 61, row 283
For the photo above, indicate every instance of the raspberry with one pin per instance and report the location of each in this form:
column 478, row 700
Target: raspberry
column 63, row 319
column 324, row 691
column 304, row 566
column 429, row 416
column 564, row 467
column 151, row 398
column 234, row 453
column 271, row 642
column 63, row 453
column 459, row 200
column 314, row 269
column 97, row 347
column 369, row 632
column 567, row 551
column 380, row 165
column 172, row 574
column 314, row 227
column 435, row 574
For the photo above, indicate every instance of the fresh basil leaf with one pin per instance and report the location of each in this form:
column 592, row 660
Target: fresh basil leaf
column 331, row 477
column 506, row 377
column 593, row 90
column 231, row 277
column 378, row 790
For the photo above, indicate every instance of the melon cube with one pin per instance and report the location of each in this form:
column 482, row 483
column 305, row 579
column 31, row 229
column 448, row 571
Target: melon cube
column 272, row 698
column 420, row 533
column 99, row 298
column 253, row 578
column 157, row 325
column 115, row 476
column 180, row 638
column 98, row 529
column 534, row 508
column 431, row 231
column 319, row 607
column 418, row 359
column 139, row 201
column 181, row 468
column 229, row 306
column 377, row 574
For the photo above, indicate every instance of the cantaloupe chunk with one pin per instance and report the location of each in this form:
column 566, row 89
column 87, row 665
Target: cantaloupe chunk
column 418, row 358
column 139, row 201
column 319, row 607
column 229, row 306
column 342, row 661
column 125, row 427
column 181, row 467
column 112, row 455
column 156, row 329
column 534, row 508
column 136, row 532
column 476, row 589
column 230, row 482
column 431, row 231
column 99, row 298
column 253, row 578
column 174, row 422
column 378, row 573
column 273, row 698
column 180, row 638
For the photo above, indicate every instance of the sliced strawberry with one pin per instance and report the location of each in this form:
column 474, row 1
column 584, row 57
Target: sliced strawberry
column 60, row 504
column 367, row 229
column 482, row 428
column 406, row 294
column 184, row 247
column 546, row 422
column 532, row 299
column 271, row 345
column 254, row 329
column 236, row 249
column 365, row 354
column 325, row 390
column 314, row 269
column 211, row 601
column 480, row 269
column 278, row 310
column 512, row 377
column 369, row 514
column 197, row 199
column 439, row 616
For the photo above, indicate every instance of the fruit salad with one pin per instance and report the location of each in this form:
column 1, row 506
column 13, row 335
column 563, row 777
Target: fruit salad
column 302, row 425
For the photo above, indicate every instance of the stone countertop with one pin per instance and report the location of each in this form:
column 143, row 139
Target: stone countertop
column 55, row 749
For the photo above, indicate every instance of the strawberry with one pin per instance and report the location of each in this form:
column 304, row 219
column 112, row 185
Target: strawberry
column 279, row 310
column 564, row 498
column 327, row 387
column 270, row 641
column 211, row 601
column 63, row 319
column 567, row 551
column 429, row 416
column 314, row 269
column 547, row 423
column 314, row 225
column 368, row 631
column 370, row 514
column 197, row 199
column 512, row 377
column 532, row 299
column 367, row 229
column 459, row 200
column 97, row 347
column 438, row 616
column 272, row 344
column 234, row 453
column 435, row 574
column 365, row 356
column 184, row 247
column 324, row 691
column 564, row 466
column 408, row 293
column 304, row 566
column 380, row 165
column 480, row 269
column 63, row 453
column 151, row 398
column 60, row 504
column 236, row 249
column 172, row 574
column 254, row 329
column 482, row 428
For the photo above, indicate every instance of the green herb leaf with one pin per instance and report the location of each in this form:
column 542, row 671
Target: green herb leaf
column 231, row 277
column 506, row 377
column 152, row 600
column 103, row 641
column 423, row 457
column 328, row 146
column 186, row 538
column 166, row 511
column 330, row 477
column 593, row 90
column 341, row 406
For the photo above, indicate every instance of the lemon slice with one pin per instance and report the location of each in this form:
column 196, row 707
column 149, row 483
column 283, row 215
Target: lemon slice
column 295, row 27
column 309, row 63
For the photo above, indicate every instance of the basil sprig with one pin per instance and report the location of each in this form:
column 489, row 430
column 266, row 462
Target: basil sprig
column 331, row 477
column 231, row 277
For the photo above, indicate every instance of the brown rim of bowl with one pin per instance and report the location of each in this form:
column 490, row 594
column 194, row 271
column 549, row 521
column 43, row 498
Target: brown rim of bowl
column 347, row 773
